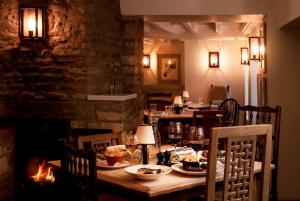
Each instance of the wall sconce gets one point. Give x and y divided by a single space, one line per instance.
32 22
146 61
213 59
254 44
244 56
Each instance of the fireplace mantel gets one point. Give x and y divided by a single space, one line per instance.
111 97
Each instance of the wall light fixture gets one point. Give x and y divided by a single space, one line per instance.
214 59
32 22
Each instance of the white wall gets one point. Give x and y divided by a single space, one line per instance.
289 10
283 85
199 77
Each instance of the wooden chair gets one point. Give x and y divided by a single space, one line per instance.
99 142
230 105
218 93
160 98
208 119
240 149
80 175
248 115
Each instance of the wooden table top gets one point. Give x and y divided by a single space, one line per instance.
169 183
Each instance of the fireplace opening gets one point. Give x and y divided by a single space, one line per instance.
37 140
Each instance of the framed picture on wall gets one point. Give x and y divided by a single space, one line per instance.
169 68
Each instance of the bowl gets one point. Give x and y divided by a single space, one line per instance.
111 160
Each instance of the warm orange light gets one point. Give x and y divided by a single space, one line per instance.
213 59
244 56
44 174
254 44
146 61
31 23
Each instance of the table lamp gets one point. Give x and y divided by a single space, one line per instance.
177 104
185 96
145 136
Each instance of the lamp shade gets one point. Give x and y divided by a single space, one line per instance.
177 100
145 134
185 94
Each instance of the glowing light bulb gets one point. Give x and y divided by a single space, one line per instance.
31 25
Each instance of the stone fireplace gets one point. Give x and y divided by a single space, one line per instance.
53 78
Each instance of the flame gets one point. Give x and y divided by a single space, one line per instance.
44 174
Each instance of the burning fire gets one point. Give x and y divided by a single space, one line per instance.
44 174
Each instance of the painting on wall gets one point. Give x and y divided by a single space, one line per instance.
169 68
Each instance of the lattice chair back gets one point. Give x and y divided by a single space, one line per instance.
239 163
248 115
80 174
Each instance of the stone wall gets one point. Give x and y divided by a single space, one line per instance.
52 78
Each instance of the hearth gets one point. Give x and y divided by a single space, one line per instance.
37 140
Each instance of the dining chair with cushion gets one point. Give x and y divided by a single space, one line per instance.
230 105
161 99
251 115
99 142
79 173
238 180
218 93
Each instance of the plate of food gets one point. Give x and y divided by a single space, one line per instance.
104 165
148 172
191 166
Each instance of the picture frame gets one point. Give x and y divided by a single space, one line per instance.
169 68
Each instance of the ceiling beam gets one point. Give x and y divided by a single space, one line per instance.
204 18
188 27
159 26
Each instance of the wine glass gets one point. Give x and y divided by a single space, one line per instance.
175 133
131 143
196 139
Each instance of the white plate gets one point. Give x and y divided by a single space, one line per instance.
103 164
178 168
133 171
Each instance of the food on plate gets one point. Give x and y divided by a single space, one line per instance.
174 158
115 154
204 154
149 171
190 163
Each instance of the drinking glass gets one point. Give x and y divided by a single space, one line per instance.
196 139
175 133
131 143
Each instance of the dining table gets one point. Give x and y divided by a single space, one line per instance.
172 186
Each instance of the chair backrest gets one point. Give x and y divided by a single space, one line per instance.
80 173
250 115
218 93
208 119
160 98
239 163
99 142
230 105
